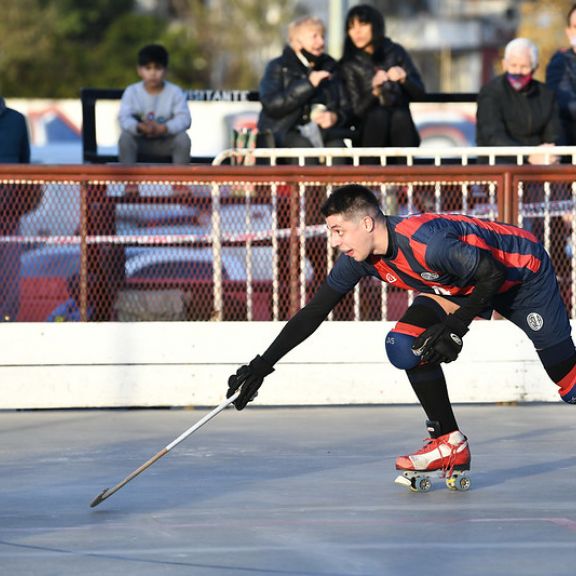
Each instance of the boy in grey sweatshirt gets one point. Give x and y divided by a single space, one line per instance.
154 113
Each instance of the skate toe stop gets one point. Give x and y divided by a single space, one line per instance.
403 481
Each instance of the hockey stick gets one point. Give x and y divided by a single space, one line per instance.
109 491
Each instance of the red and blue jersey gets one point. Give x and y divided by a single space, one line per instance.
432 253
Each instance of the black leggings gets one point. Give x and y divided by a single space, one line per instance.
388 127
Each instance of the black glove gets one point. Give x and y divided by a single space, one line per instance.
442 342
249 378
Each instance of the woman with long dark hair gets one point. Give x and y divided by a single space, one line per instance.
381 80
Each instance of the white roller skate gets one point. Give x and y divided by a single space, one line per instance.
446 457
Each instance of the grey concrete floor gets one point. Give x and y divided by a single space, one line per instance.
287 492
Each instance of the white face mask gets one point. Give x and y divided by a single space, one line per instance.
573 41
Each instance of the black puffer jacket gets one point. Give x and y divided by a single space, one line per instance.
359 69
287 96
506 117
561 78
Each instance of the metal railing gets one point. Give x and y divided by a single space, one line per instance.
489 155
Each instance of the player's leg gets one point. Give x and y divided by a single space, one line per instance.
559 361
448 447
538 309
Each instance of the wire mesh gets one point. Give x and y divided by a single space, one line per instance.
546 209
245 249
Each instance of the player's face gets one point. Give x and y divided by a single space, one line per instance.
152 75
352 237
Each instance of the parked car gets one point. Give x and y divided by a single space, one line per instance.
45 278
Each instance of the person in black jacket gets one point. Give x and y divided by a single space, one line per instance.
514 109
561 78
15 201
304 103
381 80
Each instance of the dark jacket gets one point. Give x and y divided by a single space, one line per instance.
286 96
359 69
506 117
14 142
561 78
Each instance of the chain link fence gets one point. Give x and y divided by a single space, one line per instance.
225 244
548 209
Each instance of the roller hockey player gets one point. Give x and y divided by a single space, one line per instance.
462 267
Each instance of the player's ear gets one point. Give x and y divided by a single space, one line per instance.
368 223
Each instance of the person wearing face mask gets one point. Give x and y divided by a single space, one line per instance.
561 78
381 80
514 109
304 104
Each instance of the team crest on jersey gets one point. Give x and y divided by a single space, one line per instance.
430 275
535 321
390 278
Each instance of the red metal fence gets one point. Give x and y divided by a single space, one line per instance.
114 243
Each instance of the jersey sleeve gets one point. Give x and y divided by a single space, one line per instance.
446 253
345 274
470 266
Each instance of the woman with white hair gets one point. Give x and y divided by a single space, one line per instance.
514 109
304 103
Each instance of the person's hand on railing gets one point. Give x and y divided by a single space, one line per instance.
545 158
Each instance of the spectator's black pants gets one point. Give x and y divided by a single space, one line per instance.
388 127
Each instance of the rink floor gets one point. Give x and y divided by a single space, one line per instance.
287 492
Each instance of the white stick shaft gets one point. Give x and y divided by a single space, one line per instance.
202 421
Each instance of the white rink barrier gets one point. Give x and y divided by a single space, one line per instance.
187 364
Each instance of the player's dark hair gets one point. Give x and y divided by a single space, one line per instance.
153 54
570 12
350 200
367 15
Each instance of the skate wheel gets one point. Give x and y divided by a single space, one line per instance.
421 485
460 482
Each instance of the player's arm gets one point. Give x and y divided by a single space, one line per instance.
488 277
249 378
442 342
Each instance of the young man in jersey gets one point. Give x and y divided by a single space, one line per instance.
462 267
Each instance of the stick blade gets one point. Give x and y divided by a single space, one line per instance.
100 498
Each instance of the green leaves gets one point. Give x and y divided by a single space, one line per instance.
53 48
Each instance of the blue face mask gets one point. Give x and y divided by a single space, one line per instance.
518 81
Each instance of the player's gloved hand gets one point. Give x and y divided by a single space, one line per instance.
442 342
248 378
